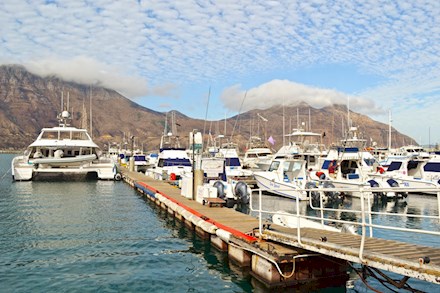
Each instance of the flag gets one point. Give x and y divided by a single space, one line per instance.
271 140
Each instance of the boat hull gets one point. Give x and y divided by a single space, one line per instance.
284 189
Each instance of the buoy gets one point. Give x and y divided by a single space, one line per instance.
173 176
118 176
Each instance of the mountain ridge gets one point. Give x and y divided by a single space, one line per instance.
29 102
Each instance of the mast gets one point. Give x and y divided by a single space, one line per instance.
310 121
389 129
284 131
348 113
91 126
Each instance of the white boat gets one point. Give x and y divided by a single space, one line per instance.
257 155
285 177
292 221
172 161
431 170
409 172
62 152
354 166
304 145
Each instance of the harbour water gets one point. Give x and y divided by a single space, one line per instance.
102 236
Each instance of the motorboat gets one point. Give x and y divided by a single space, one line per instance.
288 220
172 161
285 177
304 145
257 156
349 168
431 170
409 172
63 152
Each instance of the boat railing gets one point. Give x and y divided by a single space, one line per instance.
365 212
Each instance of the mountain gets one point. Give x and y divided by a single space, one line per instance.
29 102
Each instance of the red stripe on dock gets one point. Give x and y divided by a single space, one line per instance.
234 232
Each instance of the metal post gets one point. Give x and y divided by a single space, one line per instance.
370 221
321 204
361 249
260 214
438 203
193 167
298 229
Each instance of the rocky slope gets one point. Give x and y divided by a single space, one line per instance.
29 102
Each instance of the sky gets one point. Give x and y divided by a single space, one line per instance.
215 59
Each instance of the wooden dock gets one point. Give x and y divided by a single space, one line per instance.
276 256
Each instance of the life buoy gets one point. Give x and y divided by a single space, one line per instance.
173 176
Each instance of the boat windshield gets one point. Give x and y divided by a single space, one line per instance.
274 166
370 162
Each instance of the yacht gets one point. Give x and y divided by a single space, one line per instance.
63 152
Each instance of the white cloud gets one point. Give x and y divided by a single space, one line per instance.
88 71
279 92
185 42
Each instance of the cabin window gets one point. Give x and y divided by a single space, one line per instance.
160 163
370 162
252 155
274 166
175 162
394 166
286 166
432 167
233 162
49 135
64 135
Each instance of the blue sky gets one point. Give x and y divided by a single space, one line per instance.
166 55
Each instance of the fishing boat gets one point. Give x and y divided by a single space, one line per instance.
63 152
304 145
410 172
172 161
257 156
285 177
350 167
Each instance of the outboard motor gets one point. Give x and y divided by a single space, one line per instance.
241 192
313 194
332 196
220 189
